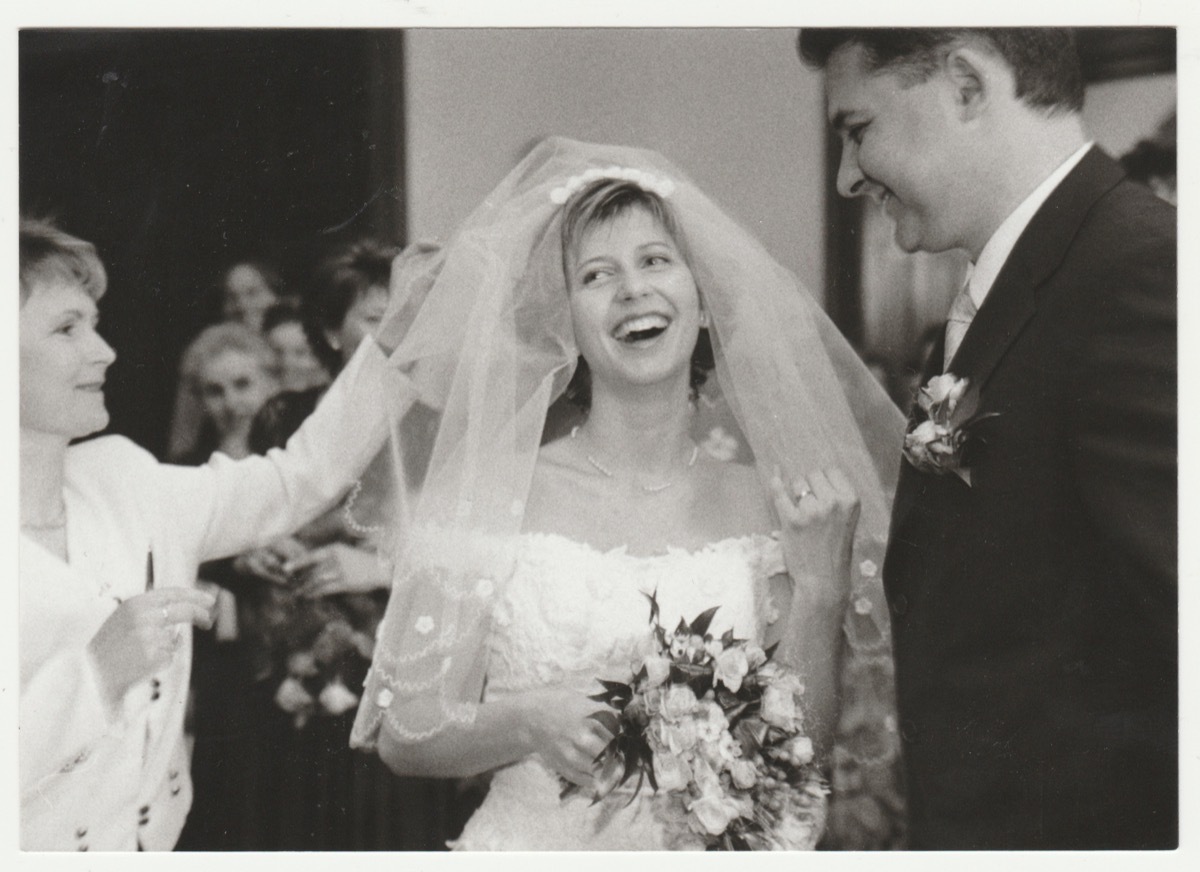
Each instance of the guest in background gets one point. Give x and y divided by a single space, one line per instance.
1153 162
109 547
273 766
248 289
297 365
229 371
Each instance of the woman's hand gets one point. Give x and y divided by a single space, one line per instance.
142 635
338 568
819 514
268 562
559 729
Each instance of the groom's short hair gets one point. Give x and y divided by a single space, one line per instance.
1044 60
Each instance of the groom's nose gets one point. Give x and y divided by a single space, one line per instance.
850 179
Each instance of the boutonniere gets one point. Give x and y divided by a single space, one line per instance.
940 433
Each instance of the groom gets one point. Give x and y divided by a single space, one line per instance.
1034 609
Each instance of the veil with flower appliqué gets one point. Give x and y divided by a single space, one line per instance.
488 351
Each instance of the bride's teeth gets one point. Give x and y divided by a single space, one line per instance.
643 322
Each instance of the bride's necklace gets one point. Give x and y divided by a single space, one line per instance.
647 488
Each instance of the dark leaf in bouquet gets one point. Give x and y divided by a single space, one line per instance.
608 720
654 612
682 628
734 713
612 749
770 652
727 638
696 676
701 623
642 674
615 693
751 733
616 686
726 698
646 756
661 635
569 789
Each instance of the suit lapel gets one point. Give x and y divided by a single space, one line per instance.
1012 301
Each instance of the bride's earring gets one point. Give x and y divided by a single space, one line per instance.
704 318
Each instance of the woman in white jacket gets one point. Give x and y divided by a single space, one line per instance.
110 541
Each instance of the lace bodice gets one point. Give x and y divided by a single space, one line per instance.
572 613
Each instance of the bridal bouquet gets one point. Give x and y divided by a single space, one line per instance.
717 726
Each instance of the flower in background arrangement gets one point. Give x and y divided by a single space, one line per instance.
316 649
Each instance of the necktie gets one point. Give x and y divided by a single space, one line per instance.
962 310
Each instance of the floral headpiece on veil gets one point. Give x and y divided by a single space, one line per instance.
491 347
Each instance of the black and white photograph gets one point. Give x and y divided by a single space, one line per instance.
629 429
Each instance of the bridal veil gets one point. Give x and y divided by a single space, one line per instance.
484 347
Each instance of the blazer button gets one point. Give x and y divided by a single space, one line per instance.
900 604
81 832
82 848
173 774
908 731
175 791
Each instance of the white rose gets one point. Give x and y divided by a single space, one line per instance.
302 664
336 698
745 774
711 721
793 833
731 667
801 749
291 696
708 782
681 736
941 388
779 707
713 814
755 656
678 701
658 670
671 772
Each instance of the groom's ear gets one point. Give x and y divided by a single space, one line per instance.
973 76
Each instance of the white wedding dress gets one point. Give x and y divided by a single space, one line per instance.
572 613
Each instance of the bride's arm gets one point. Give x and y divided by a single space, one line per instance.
817 535
551 722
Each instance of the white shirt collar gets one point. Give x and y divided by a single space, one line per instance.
983 273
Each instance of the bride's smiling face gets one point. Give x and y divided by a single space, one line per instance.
635 307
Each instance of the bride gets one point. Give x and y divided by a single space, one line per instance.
601 276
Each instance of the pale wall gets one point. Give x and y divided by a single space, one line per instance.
734 108
1122 112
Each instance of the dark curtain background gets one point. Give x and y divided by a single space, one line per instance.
179 151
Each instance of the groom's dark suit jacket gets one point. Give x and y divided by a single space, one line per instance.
1034 611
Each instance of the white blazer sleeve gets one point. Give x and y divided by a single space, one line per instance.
228 506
